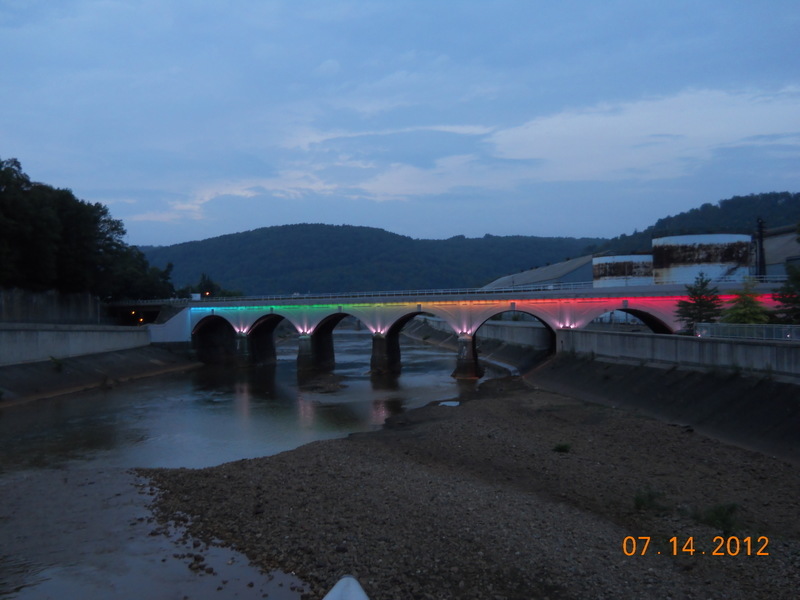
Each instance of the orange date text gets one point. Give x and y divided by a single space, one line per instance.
718 546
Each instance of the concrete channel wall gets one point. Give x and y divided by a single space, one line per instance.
21 306
778 359
27 343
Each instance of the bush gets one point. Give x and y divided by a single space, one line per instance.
648 499
719 516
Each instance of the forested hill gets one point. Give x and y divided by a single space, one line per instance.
51 240
342 258
734 215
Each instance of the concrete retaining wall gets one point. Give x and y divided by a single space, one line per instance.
26 343
779 359
21 306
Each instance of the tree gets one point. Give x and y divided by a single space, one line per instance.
703 305
50 240
746 307
788 297
131 277
207 287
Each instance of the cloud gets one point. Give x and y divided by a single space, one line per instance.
450 173
652 138
643 140
304 138
327 68
639 140
192 207
157 217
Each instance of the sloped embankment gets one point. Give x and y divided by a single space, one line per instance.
752 412
30 381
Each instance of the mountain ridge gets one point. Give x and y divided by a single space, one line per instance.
304 257
289 258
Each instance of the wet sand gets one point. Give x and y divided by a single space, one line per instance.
521 493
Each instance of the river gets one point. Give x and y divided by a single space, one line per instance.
74 520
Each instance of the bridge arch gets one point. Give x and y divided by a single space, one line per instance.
214 340
655 324
547 339
655 317
522 329
386 355
261 338
316 349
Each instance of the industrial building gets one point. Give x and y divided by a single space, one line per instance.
673 259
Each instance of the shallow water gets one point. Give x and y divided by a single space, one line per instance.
74 520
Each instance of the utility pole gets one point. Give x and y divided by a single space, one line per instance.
761 260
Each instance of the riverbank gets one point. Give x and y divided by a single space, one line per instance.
32 381
752 412
521 493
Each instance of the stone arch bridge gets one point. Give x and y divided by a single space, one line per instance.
221 329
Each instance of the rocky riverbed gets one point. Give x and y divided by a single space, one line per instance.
522 493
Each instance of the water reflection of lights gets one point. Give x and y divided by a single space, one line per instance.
241 398
306 412
380 412
377 413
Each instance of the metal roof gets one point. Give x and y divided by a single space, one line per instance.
538 275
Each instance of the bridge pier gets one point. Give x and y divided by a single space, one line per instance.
242 349
261 347
305 353
385 358
467 366
315 352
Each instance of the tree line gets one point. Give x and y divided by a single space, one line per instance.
51 240
704 305
732 215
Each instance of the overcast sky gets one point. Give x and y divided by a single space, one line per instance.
195 118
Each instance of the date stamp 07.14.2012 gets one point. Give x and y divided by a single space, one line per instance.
718 546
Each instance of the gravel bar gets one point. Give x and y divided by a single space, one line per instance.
519 494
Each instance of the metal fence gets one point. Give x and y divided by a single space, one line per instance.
464 293
785 333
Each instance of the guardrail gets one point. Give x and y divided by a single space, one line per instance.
460 292
383 294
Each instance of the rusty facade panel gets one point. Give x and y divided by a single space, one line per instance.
622 269
730 253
